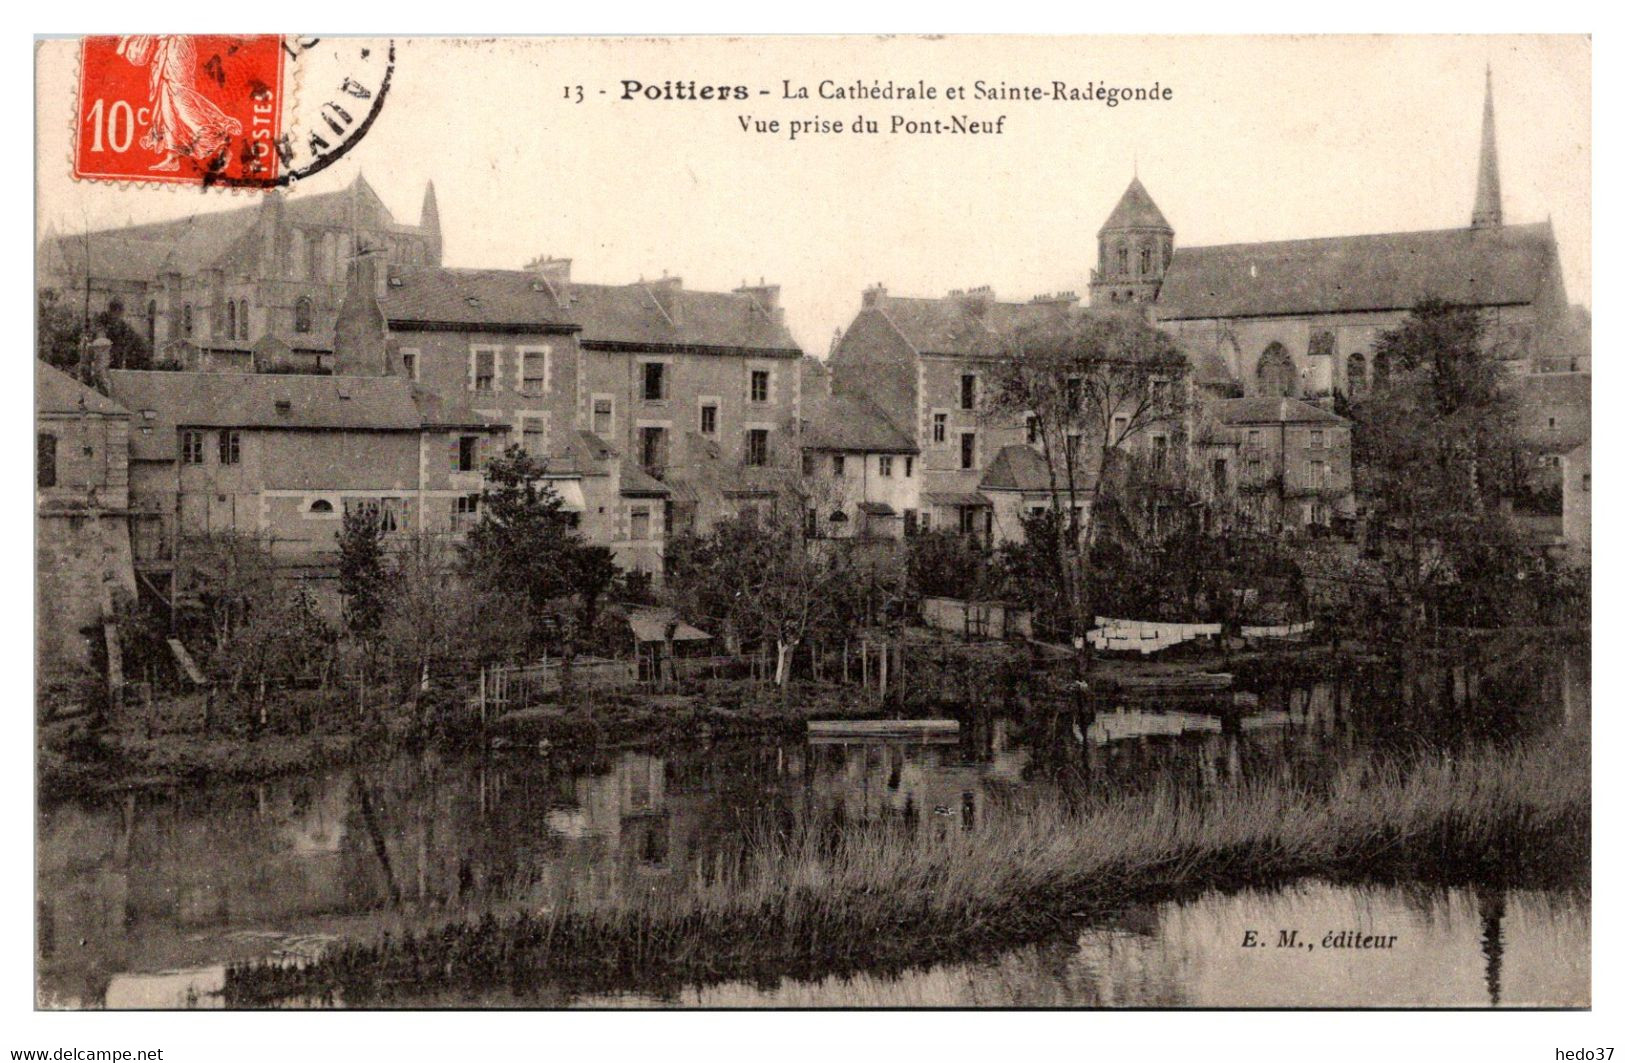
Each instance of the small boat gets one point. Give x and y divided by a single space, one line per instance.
882 728
1176 681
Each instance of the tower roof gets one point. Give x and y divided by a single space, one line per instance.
1136 211
1487 205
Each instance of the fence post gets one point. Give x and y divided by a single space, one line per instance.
482 704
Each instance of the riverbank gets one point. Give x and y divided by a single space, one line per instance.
884 898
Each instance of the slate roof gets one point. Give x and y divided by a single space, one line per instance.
963 326
57 392
851 423
1384 271
635 483
1016 468
437 410
1136 210
662 314
249 400
473 297
1271 410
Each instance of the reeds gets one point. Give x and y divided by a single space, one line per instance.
875 898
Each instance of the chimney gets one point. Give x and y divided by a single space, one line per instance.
975 301
1062 299
553 276
359 337
874 297
96 358
766 296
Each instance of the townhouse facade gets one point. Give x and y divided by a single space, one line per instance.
81 503
1276 463
860 475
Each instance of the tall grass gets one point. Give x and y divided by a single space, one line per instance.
818 902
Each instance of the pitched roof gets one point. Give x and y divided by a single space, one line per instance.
1269 409
635 483
437 410
57 392
1016 468
963 325
1384 271
851 423
249 400
663 314
1135 210
440 294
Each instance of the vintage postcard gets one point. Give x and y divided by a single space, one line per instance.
812 522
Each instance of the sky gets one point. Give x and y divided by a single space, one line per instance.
1263 138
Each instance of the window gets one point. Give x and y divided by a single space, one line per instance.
320 508
758 385
1356 374
908 468
186 319
1122 258
533 434
1276 373
809 464
1167 255
1253 437
939 428
1145 260
534 371
708 419
967 450
603 417
885 465
837 465
654 381
485 369
1074 448
1322 343
465 454
967 391
1317 474
230 448
45 460
1119 428
640 522
409 364
1221 475
756 446
242 319
925 520
1317 438
231 320
967 520
1159 394
152 322
1032 428
191 447
301 316
652 447
1159 452
464 511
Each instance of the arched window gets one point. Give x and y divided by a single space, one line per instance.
301 315
1122 258
231 320
1145 261
242 318
152 322
1167 254
1355 371
1276 373
1379 370
321 505
186 319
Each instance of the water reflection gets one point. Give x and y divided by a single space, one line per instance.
143 897
1191 954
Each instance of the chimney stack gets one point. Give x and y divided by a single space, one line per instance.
554 275
766 296
359 338
874 297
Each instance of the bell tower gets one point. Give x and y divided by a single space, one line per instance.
1136 246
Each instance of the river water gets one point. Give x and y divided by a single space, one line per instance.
144 898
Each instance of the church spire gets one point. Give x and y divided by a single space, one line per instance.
1487 207
429 223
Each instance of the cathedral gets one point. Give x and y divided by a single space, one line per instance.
252 288
1301 317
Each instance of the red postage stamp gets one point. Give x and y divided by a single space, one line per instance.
183 109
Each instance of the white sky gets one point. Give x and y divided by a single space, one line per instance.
1265 138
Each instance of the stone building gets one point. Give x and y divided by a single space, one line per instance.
281 458
1275 462
82 542
1577 504
244 288
1301 317
859 472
